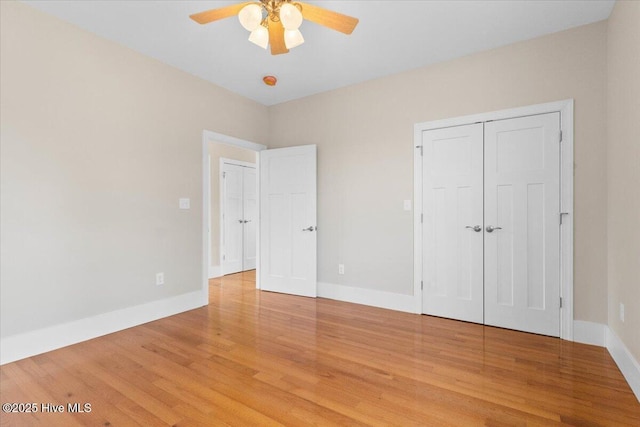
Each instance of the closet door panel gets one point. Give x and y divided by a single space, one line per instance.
452 197
522 229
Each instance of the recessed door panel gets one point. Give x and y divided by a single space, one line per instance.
504 246
279 249
520 150
535 247
464 244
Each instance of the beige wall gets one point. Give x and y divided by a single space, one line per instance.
98 143
623 173
364 135
217 151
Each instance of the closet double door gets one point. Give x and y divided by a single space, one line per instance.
239 217
491 230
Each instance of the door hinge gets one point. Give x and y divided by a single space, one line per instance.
420 147
224 257
560 302
421 218
560 136
421 285
224 175
561 215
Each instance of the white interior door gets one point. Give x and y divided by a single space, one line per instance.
250 215
232 217
453 226
522 201
239 217
288 220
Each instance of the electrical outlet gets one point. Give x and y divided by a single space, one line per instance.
159 279
621 312
184 203
340 268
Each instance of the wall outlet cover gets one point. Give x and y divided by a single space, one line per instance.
184 203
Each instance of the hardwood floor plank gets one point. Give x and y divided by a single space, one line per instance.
260 358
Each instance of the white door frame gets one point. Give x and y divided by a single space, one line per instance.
224 160
207 137
565 108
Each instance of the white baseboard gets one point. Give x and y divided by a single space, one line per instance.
29 344
215 271
590 333
627 364
391 301
601 335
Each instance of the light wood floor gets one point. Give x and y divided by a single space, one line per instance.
258 358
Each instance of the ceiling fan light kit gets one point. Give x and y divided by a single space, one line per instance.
260 36
290 16
286 13
293 38
250 16
277 22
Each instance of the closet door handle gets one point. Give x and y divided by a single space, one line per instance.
310 228
490 228
475 228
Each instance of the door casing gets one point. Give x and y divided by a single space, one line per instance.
209 136
565 108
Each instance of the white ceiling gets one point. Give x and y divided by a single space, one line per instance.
392 36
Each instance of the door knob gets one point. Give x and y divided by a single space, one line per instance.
310 228
475 228
490 228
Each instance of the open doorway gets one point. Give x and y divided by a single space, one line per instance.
217 146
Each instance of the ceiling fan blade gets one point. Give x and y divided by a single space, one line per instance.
216 14
276 38
328 18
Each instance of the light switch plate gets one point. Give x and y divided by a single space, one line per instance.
184 203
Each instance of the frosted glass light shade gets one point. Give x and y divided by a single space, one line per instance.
260 36
292 38
290 16
250 16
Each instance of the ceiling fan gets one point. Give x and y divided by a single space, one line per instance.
276 22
